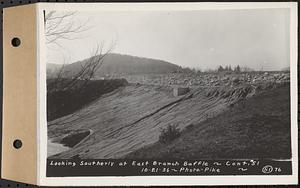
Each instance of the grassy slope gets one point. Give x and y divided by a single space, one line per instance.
258 127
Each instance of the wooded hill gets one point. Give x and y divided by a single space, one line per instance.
120 64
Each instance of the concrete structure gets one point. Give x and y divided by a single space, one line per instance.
177 91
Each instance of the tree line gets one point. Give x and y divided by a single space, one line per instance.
229 69
220 68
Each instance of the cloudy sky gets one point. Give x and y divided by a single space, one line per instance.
204 39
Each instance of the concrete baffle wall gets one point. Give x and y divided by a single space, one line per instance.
177 91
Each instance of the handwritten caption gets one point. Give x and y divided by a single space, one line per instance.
156 167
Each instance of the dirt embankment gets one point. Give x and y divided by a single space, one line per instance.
63 102
258 127
132 117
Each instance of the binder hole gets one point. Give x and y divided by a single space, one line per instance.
17 144
16 42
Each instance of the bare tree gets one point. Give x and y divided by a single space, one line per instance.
77 83
80 78
64 26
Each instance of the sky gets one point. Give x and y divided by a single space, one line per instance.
202 39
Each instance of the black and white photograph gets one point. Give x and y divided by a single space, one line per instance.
172 92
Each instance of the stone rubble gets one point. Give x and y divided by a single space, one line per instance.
206 79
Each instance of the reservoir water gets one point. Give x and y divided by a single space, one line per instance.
55 148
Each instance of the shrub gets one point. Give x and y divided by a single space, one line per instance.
169 134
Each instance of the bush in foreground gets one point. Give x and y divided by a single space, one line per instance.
169 134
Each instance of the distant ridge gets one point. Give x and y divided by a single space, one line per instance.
52 69
123 64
